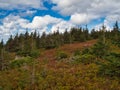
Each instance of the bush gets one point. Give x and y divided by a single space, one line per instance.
100 49
9 56
77 52
85 59
33 53
20 62
111 67
61 55
23 53
86 51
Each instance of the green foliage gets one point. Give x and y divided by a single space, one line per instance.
58 76
22 53
9 56
85 59
112 66
61 55
85 74
20 62
35 54
86 51
100 49
77 52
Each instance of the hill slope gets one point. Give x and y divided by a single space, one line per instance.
69 48
49 72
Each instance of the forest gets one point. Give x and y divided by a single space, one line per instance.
79 59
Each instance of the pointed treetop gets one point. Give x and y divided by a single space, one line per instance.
116 27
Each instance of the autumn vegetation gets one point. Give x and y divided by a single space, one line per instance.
78 59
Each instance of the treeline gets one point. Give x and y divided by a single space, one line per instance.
30 44
25 43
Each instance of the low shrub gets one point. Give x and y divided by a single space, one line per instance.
33 53
86 51
61 55
85 59
20 62
111 67
77 52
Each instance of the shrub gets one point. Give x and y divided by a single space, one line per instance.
111 67
77 52
86 51
23 53
9 56
100 49
34 54
20 62
61 55
85 59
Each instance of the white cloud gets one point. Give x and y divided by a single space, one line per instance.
79 18
82 18
49 24
106 24
25 13
112 18
91 9
15 24
11 25
21 4
29 12
62 26
69 7
41 22
109 21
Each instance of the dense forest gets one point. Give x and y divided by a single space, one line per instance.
95 65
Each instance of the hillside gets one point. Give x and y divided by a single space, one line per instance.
59 45
68 48
57 69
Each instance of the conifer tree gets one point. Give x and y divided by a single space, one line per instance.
2 61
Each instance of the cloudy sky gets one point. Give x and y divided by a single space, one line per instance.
17 16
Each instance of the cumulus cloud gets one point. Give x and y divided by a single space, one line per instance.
15 24
106 23
69 7
49 24
91 9
99 26
25 13
109 22
12 23
79 18
62 26
41 22
21 4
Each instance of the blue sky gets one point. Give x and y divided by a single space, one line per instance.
47 15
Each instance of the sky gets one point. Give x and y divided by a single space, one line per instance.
17 16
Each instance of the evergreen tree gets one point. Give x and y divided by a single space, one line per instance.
101 48
66 37
116 27
10 44
116 34
1 55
